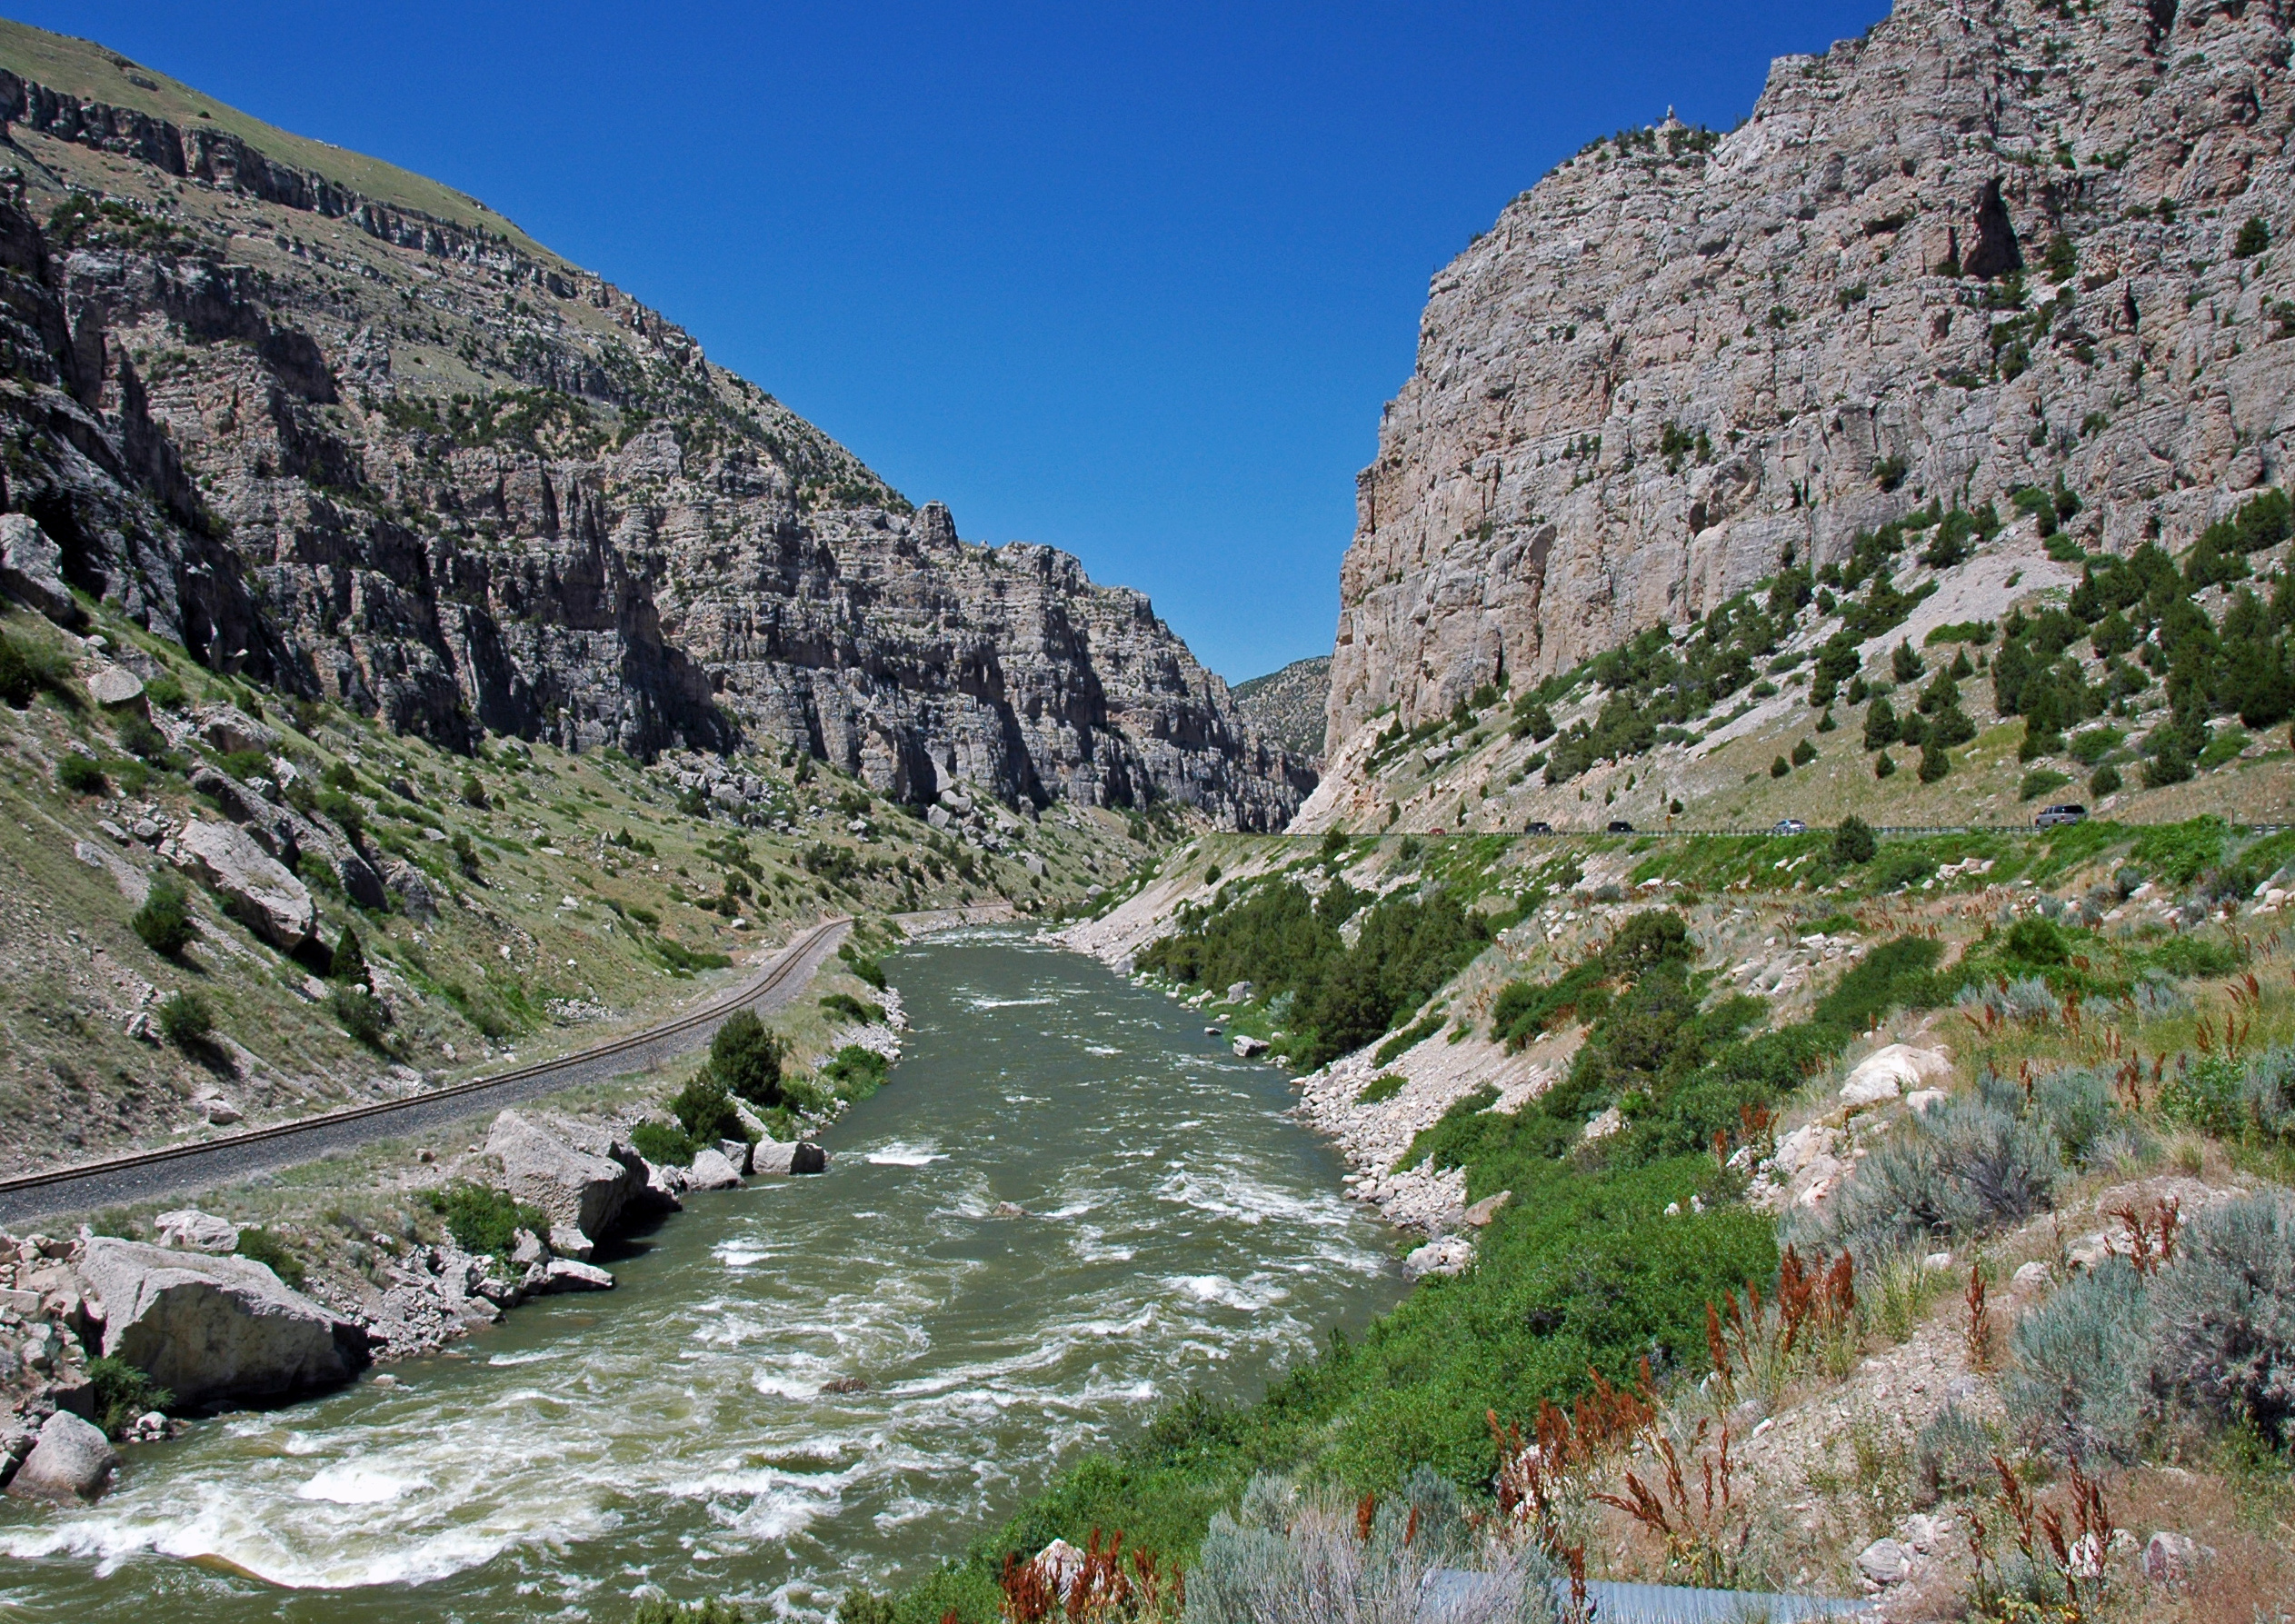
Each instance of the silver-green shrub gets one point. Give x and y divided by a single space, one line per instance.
1962 1167
2223 1316
1289 1557
2077 1385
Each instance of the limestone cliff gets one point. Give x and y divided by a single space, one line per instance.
350 433
1987 246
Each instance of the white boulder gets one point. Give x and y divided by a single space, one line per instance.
115 687
1886 1073
71 1460
256 886
31 569
571 1274
576 1189
209 1327
188 1228
713 1171
1446 1256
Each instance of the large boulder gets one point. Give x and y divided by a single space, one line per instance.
258 887
577 1188
713 1169
31 569
788 1157
72 1460
215 1327
188 1228
230 729
1885 1074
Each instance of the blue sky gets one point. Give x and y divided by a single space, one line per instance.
1130 281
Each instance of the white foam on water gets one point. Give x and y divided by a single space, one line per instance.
1101 1049
898 1154
531 1356
354 1486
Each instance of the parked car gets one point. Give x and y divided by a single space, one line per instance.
1790 826
2069 812
1620 826
1538 826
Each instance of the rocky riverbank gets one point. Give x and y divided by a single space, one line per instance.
214 1313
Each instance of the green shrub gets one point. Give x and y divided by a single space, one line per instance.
362 1014
122 1394
2179 854
2037 942
705 1110
1382 1088
141 739
1854 841
2104 781
80 776
745 1061
869 969
844 1006
262 1246
865 1607
18 682
2040 782
165 691
855 1071
482 1220
663 1145
2254 237
1410 1037
1778 767
163 922
1898 974
186 1020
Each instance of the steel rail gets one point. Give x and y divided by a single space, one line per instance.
203 1163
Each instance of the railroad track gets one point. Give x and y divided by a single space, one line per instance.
174 1170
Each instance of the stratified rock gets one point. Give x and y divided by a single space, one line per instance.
257 888
31 569
716 572
215 1327
72 1460
577 1190
1683 358
1247 1047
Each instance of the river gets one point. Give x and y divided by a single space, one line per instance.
1180 1230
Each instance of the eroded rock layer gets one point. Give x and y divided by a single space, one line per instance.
1986 246
371 453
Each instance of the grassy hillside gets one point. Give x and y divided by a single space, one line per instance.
96 73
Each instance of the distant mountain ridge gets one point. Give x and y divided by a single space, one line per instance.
1288 705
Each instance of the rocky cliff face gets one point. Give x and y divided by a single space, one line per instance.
1288 705
405 459
1985 247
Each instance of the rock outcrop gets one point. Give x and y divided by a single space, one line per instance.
1682 358
255 885
581 1190
208 1326
357 449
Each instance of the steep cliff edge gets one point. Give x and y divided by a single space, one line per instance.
1683 361
349 433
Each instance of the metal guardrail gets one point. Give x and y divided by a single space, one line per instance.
1768 830
1609 1602
33 1195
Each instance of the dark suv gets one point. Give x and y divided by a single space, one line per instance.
1620 826
2068 812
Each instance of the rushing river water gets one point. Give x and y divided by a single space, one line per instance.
1179 1230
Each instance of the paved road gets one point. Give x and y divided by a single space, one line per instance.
179 1169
